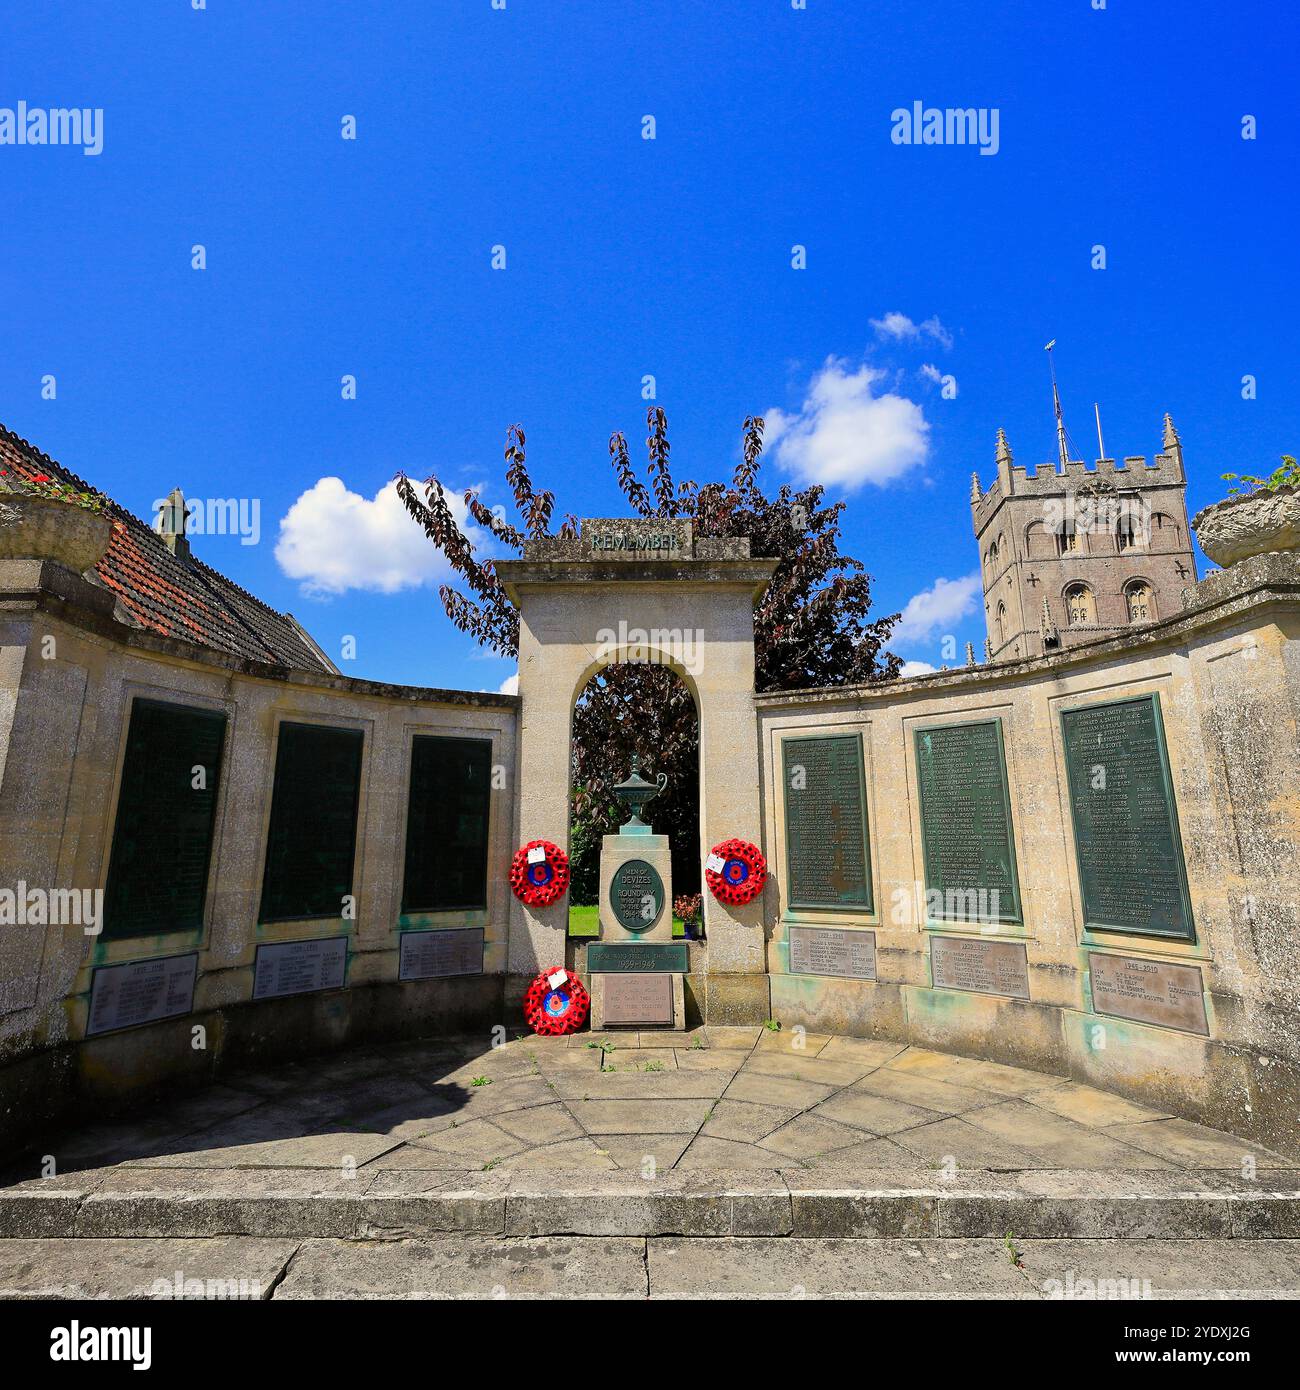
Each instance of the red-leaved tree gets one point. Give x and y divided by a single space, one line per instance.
811 626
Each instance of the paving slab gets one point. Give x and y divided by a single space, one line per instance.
745 1120
1161 1269
220 1267
469 1267
1062 1142
640 1116
857 1268
1195 1146
803 1066
644 1152
685 1084
776 1090
878 1115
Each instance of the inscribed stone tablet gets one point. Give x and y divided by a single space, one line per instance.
644 1000
1149 991
1131 872
827 853
832 951
454 951
300 967
970 859
980 965
141 991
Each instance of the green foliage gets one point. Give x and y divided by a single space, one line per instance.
1288 475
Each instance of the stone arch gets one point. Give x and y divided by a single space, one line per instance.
627 588
1140 600
1080 604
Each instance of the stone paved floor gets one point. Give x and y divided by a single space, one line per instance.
719 1099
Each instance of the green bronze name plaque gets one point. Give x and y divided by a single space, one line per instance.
1131 872
827 849
966 835
636 895
636 958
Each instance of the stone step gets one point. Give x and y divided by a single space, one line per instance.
669 1267
302 1203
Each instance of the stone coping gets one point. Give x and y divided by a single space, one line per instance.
789 1202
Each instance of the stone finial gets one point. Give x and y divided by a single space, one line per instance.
988 649
170 524
970 654
1046 626
975 493
1171 440
1003 454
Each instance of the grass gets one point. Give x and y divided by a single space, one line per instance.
585 921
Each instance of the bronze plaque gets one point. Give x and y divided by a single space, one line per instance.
636 895
638 1001
1131 871
970 858
1149 991
827 854
980 965
425 955
832 951
141 991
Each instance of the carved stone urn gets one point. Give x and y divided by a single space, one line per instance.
1263 522
44 528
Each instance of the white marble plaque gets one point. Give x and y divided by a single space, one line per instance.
832 951
452 951
300 967
980 964
141 991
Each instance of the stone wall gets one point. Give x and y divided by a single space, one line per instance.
1227 672
68 673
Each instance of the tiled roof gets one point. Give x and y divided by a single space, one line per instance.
181 598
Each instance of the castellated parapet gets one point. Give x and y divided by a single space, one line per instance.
1069 554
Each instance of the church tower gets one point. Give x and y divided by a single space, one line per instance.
1070 554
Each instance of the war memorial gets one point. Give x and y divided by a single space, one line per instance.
289 1003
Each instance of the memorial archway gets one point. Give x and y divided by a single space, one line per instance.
636 590
646 709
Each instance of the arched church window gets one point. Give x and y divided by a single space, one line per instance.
1141 608
1079 606
1000 624
1067 539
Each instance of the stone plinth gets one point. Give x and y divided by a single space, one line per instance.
636 879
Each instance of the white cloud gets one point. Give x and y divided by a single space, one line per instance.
930 372
333 540
844 435
914 668
900 327
509 686
939 607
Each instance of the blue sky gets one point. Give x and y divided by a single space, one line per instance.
523 127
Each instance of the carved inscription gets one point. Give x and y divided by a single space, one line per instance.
1148 991
453 951
980 965
832 951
